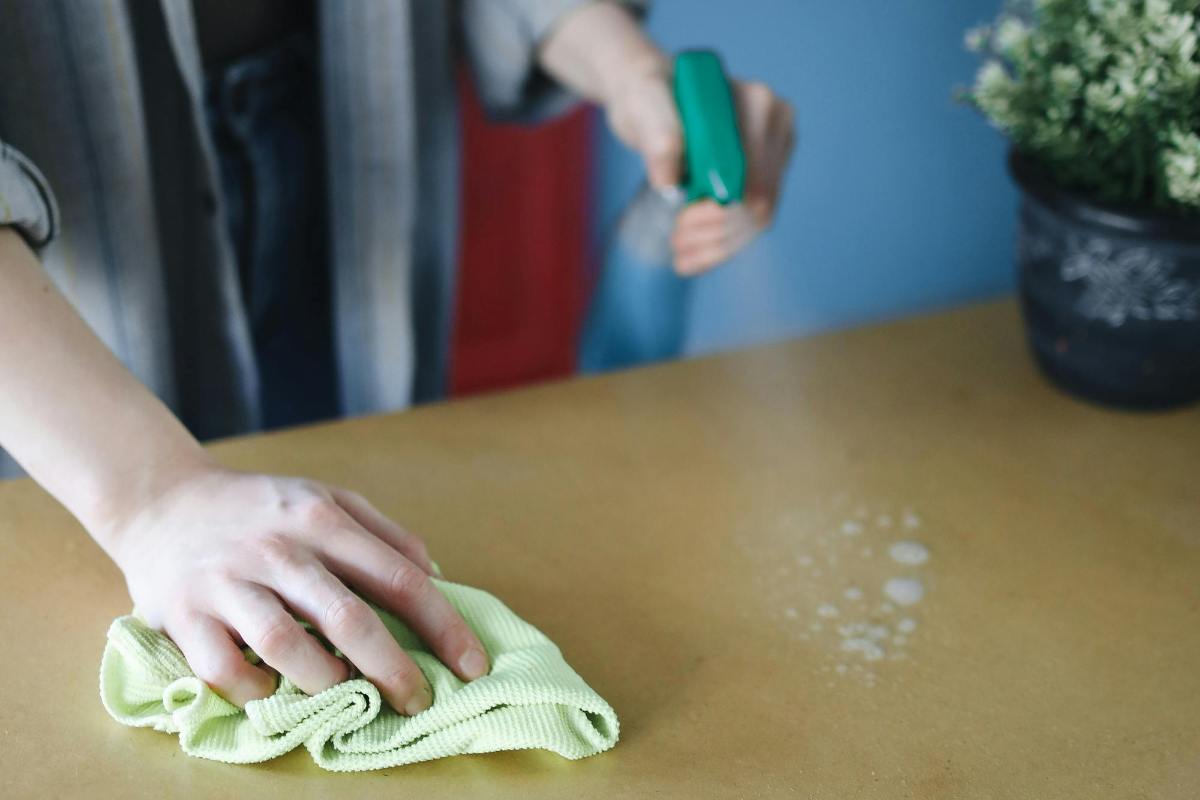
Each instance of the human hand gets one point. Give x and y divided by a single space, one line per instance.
642 113
224 558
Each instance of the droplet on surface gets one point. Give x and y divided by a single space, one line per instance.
904 591
827 610
869 650
910 553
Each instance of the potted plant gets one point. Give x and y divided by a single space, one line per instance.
1101 102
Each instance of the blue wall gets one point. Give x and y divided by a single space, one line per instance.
897 200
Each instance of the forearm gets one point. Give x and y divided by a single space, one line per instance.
597 48
70 413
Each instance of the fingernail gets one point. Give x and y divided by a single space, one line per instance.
473 664
420 701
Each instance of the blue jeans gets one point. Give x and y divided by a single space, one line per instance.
263 113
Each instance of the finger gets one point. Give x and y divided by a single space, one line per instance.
374 521
784 127
699 249
761 205
220 663
687 239
660 137
663 153
690 236
263 623
701 259
753 100
704 226
779 140
354 628
402 588
743 227
762 194
769 125
702 212
758 103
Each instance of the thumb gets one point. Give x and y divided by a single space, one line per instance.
662 151
645 118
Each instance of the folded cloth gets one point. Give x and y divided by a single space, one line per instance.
531 699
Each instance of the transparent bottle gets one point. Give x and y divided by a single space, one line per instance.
639 310
640 305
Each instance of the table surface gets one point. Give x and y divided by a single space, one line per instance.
677 531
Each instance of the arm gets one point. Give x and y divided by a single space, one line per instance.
211 556
59 381
601 52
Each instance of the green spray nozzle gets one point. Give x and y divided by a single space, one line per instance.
714 164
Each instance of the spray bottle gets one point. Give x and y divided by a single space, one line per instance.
639 308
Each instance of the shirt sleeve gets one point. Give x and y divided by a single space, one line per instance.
26 202
501 38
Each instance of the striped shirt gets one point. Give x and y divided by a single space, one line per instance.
105 97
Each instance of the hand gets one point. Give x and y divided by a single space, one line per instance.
643 115
212 557
224 558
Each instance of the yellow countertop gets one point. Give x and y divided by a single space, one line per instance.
685 533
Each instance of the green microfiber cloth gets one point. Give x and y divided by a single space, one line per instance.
531 699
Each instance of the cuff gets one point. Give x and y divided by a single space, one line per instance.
502 38
26 202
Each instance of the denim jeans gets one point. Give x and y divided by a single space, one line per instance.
263 113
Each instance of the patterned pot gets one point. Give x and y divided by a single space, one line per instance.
1111 296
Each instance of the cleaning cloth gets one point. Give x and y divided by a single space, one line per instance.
531 699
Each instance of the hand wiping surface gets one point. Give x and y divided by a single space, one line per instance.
531 699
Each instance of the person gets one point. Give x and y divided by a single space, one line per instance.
252 225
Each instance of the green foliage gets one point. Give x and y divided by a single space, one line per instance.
1103 94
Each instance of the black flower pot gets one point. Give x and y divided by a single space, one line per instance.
1111 296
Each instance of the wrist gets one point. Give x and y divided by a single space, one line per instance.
599 49
626 71
111 511
72 415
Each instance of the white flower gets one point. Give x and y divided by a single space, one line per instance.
1174 35
1103 97
1149 78
1181 166
977 38
1091 44
1156 9
1066 79
993 92
1082 84
1011 34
